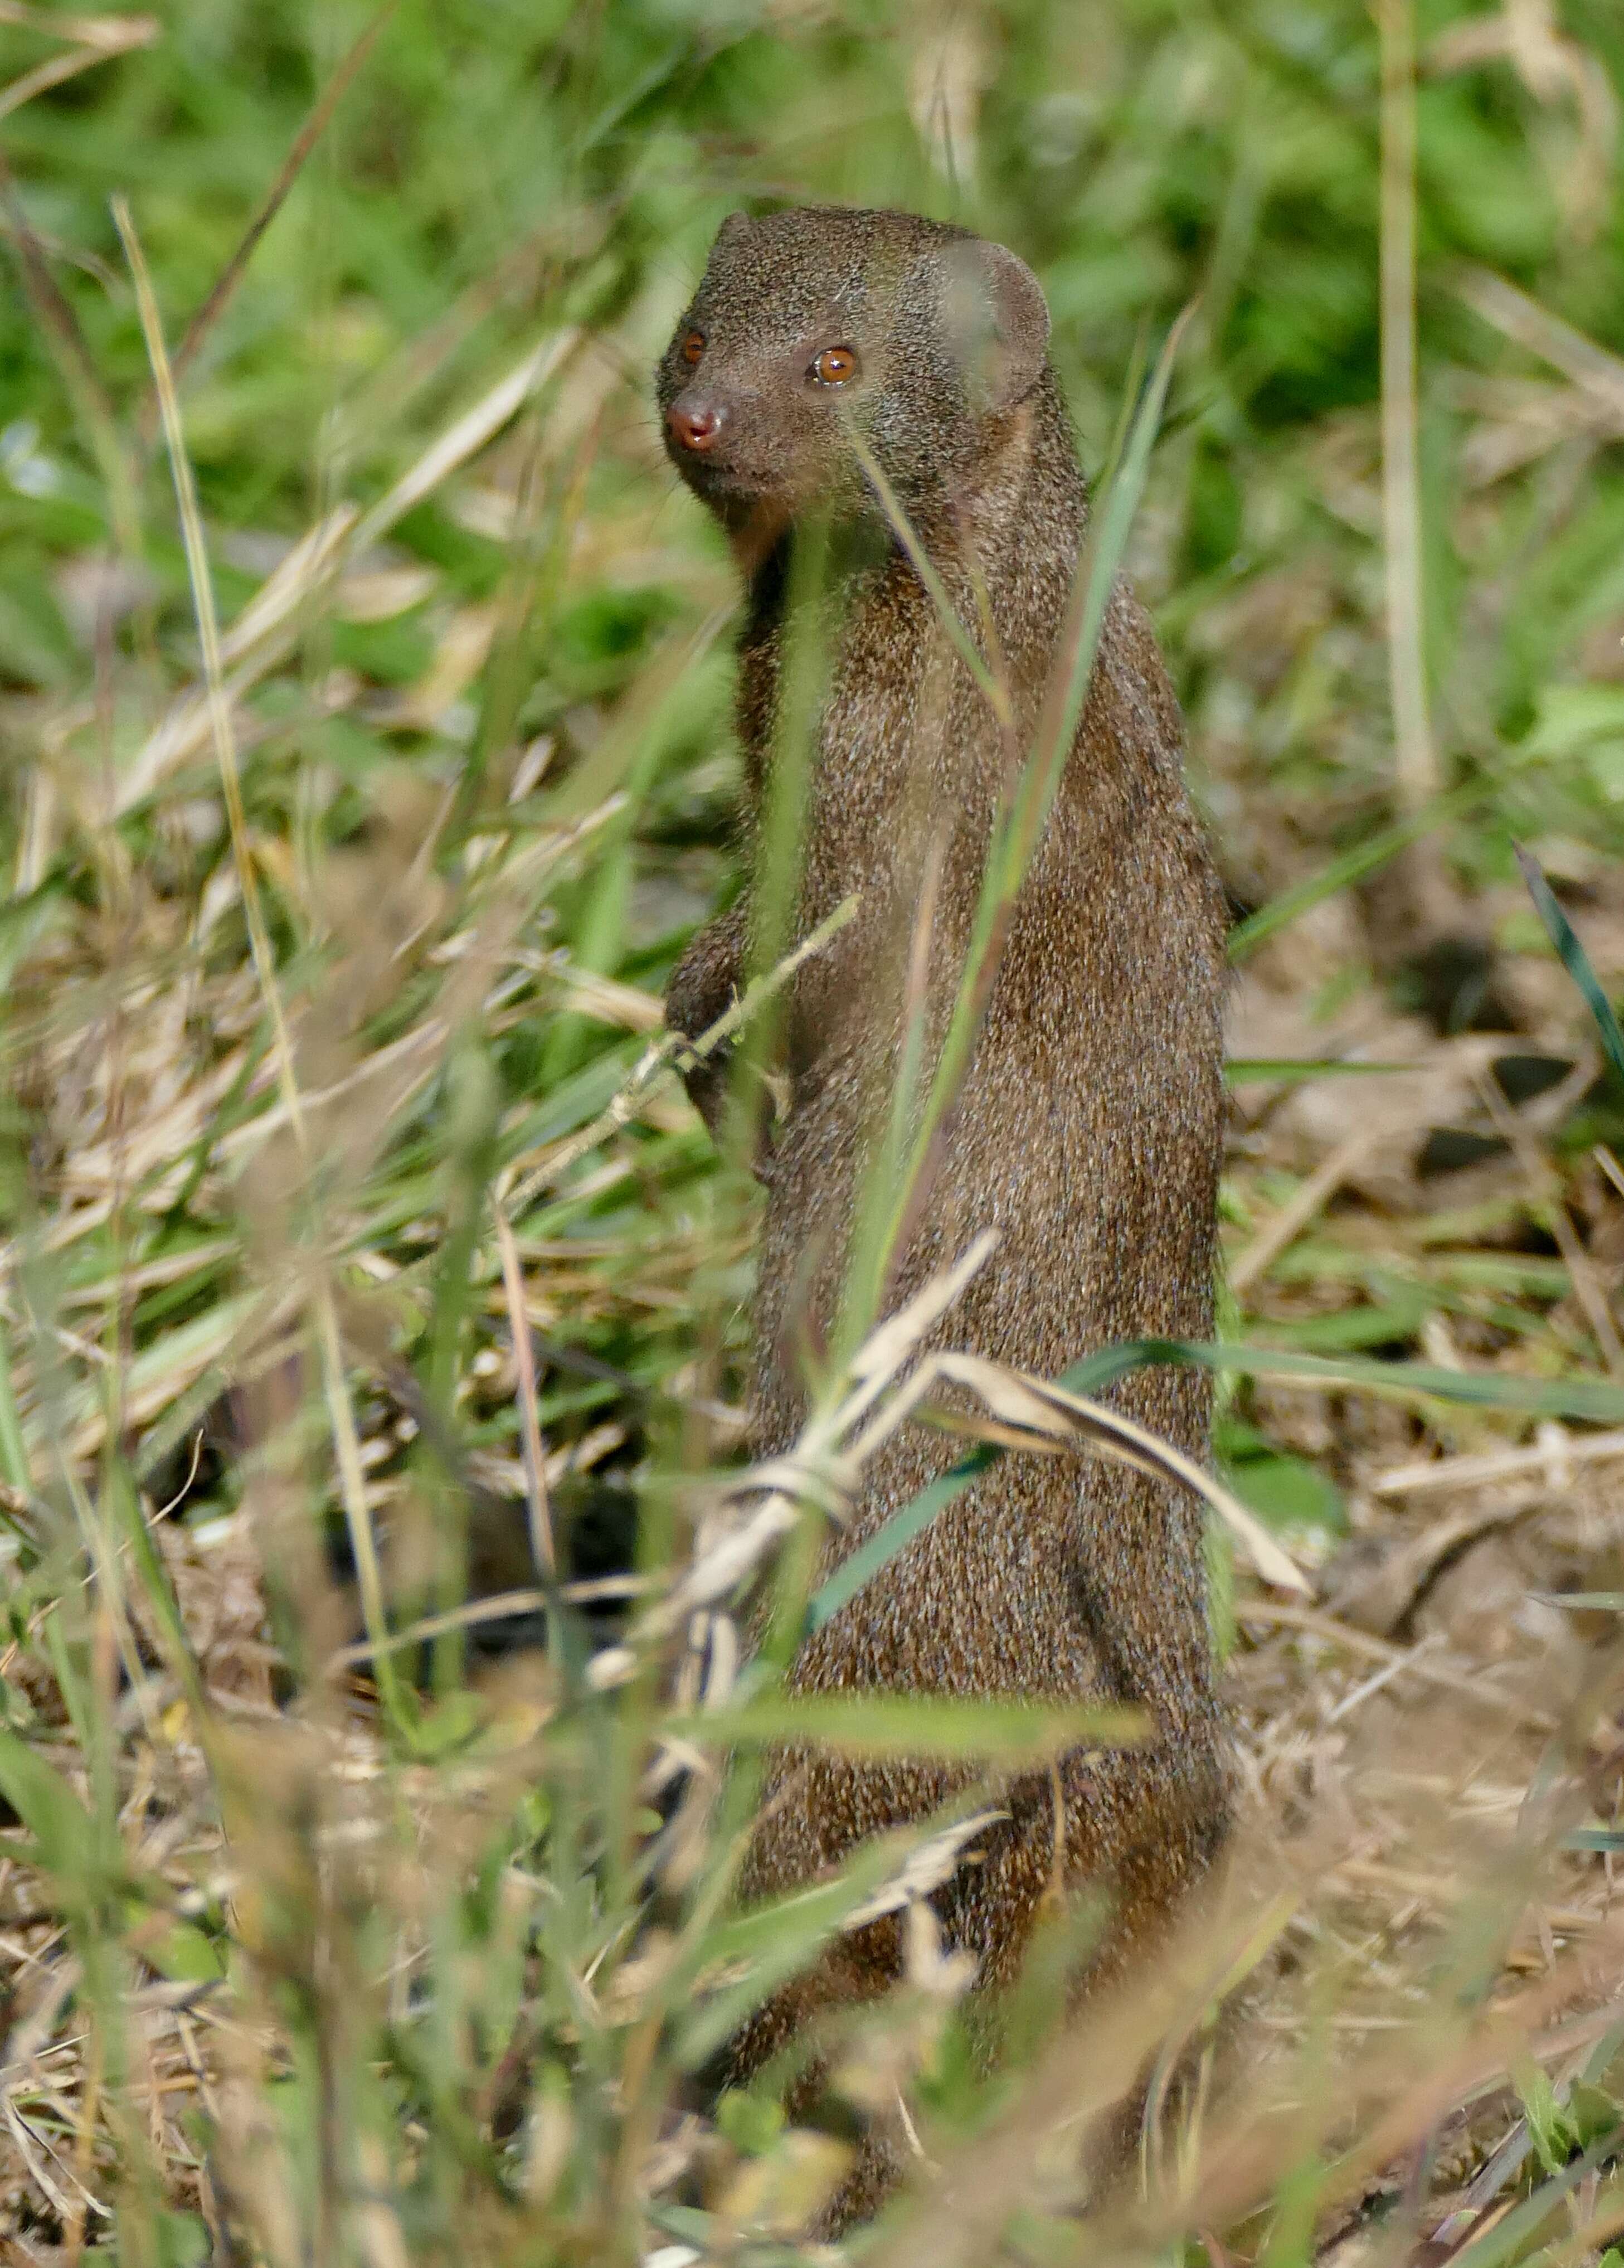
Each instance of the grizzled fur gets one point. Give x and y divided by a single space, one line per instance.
1088 1129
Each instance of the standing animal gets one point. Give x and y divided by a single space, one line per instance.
1088 1128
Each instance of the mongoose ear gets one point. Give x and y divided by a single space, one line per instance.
998 320
731 228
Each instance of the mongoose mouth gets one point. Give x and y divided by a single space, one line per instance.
718 481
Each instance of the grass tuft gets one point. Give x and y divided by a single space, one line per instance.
379 1744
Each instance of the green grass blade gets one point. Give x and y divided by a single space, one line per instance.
1588 1399
1352 866
885 1725
1591 1399
1296 1071
911 1519
14 1464
63 1830
897 1533
1574 960
964 645
1105 546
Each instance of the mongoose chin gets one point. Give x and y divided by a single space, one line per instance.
1088 1126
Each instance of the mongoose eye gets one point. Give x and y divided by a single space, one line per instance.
693 346
836 366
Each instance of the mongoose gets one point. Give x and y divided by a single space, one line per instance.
1088 1129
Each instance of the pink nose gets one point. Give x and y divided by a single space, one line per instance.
694 425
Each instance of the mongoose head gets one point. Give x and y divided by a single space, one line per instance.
809 323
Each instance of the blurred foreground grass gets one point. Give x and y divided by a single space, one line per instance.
314 1952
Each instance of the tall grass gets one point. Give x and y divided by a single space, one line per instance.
363 688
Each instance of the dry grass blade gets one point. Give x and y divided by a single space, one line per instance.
731 1549
114 32
934 1861
255 641
410 1060
498 1608
1035 1413
268 624
1609 1166
52 309
889 1347
607 764
1281 1614
736 1556
1301 1208
113 35
1521 318
60 327
542 1545
1543 1179
468 435
304 571
225 284
209 634
346 1444
1552 65
993 690
37 2155
1087 2068
1549 1458
1415 757
661 1065
1107 1433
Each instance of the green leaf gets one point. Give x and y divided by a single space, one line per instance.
1543 2113
1033 790
16 1710
1576 720
185 1955
182 2240
62 1829
14 1461
751 2123
685 2221
1504 2241
1591 2114
24 919
1388 1322
1287 1491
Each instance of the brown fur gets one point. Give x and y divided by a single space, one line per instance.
1088 1126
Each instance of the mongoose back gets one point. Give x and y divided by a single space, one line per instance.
1088 1128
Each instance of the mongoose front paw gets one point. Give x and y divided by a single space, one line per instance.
706 1078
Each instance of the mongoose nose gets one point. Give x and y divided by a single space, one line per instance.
694 425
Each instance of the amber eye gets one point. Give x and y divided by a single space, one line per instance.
835 366
692 348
